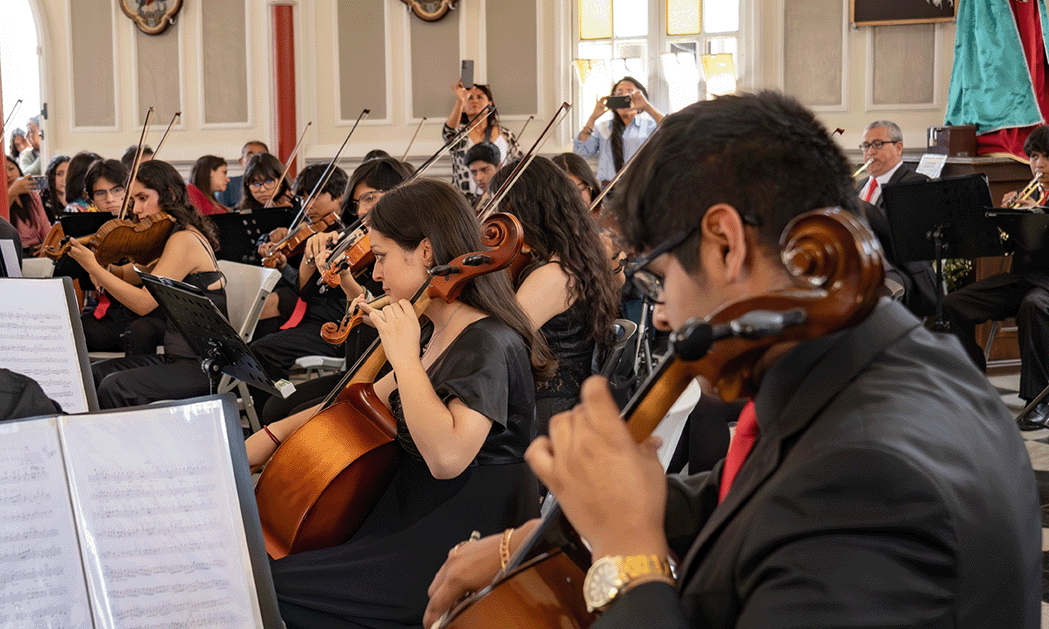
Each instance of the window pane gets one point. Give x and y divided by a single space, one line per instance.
683 17
721 16
682 75
595 19
631 18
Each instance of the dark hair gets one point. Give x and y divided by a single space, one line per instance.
51 174
78 167
618 126
265 148
128 158
493 118
200 176
110 169
22 211
261 166
483 152
557 225
704 155
1037 141
17 133
382 174
311 176
577 166
453 230
375 154
174 198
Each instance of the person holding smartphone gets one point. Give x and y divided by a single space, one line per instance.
468 103
615 140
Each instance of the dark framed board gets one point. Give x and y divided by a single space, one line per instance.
881 12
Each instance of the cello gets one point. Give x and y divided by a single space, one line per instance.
836 266
323 480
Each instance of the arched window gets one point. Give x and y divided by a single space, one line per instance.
19 65
663 43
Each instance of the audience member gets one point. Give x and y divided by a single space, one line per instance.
207 179
230 197
615 140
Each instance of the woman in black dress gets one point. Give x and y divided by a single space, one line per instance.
465 407
567 289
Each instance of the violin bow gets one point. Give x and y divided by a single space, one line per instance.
287 167
481 115
18 103
417 130
323 181
134 165
523 127
601 195
518 170
166 132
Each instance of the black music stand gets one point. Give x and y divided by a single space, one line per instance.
930 220
239 231
219 346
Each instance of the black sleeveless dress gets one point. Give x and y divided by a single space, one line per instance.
568 336
379 578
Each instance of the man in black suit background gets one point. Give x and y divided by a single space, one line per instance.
885 484
883 146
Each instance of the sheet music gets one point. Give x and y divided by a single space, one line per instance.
163 540
9 259
41 578
36 339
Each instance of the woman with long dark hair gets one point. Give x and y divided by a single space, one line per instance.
78 197
188 256
259 185
26 209
469 103
567 288
208 177
464 402
53 195
616 140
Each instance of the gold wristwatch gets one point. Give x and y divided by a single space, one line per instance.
607 576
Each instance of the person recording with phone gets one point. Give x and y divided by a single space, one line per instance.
615 140
469 101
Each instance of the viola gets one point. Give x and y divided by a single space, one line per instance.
324 479
836 265
354 252
294 243
140 241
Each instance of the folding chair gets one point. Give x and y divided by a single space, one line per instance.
246 289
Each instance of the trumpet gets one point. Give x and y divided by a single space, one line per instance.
859 170
1025 194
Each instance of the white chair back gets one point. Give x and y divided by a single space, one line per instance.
247 287
37 267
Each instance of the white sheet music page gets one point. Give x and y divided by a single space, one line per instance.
162 537
36 339
41 578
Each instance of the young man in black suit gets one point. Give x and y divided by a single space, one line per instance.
887 486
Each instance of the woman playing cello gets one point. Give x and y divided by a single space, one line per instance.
464 420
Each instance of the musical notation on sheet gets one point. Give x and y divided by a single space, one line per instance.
36 340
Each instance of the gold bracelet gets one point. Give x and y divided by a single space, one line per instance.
504 547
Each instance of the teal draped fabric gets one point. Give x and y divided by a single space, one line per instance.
990 83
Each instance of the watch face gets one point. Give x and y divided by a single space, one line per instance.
601 584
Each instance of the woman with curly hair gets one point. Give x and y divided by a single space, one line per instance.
188 256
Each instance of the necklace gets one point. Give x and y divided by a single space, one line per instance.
436 333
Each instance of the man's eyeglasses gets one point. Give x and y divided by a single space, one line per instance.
650 284
876 145
259 185
116 191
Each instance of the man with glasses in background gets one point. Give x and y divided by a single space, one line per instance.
883 147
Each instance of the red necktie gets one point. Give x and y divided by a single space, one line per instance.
870 190
746 434
296 315
102 306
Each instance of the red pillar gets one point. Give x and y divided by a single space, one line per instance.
284 82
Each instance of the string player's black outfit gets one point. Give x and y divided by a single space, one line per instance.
378 579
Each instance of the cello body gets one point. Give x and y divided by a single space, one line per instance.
324 479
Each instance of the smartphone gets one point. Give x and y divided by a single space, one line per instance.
617 102
38 182
466 73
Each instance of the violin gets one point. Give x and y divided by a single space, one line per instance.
324 479
836 264
140 241
293 243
